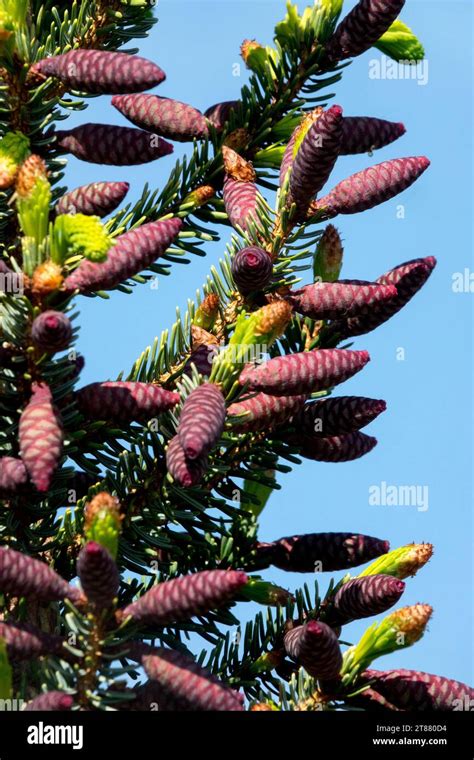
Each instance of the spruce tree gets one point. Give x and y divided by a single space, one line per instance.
130 507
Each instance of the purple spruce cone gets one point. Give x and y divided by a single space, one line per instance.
50 701
21 575
363 134
338 415
363 597
201 420
331 300
124 401
362 27
108 144
98 574
163 116
96 199
315 647
41 437
414 690
252 269
186 472
51 331
264 412
13 475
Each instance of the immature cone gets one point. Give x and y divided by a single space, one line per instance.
163 116
240 191
327 263
371 186
107 144
201 420
264 412
252 269
98 574
418 691
41 437
219 113
189 684
362 27
13 475
337 415
408 278
186 472
51 331
96 199
315 158
337 448
21 575
363 597
316 648
134 251
25 642
100 71
50 701
333 300
303 372
202 358
183 598
207 312
363 134
321 551
31 170
124 401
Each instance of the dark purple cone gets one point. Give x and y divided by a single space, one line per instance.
326 551
186 597
96 199
362 27
101 72
150 697
163 116
186 472
21 575
363 134
134 251
303 372
333 300
316 648
408 278
108 144
338 415
417 691
315 158
219 113
252 269
13 475
98 574
41 436
190 684
363 597
371 186
51 331
202 358
264 412
201 420
337 448
50 701
25 642
240 200
124 401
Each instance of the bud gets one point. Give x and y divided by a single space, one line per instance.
337 415
252 269
100 71
47 277
315 647
186 597
363 597
371 186
321 552
264 592
96 199
163 116
102 522
361 28
200 196
124 401
14 148
266 662
98 575
51 331
327 263
41 437
186 472
21 575
201 420
402 562
418 691
108 144
191 685
304 372
207 312
134 251
50 701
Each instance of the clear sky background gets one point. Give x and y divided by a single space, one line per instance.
425 436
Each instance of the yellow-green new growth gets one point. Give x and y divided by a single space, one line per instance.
402 562
5 672
14 148
401 44
80 234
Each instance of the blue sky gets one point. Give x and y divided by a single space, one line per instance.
425 435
